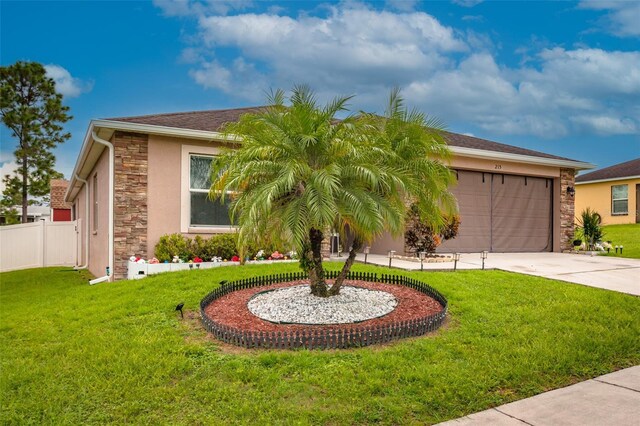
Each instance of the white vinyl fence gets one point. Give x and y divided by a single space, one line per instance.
34 245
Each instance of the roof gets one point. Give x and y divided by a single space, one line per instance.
627 169
213 120
58 190
464 141
209 121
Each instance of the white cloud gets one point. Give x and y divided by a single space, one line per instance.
571 91
476 18
402 5
467 3
353 49
6 168
622 18
606 125
66 84
190 7
350 50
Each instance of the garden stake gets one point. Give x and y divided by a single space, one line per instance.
179 308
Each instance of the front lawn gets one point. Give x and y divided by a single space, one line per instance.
75 354
627 236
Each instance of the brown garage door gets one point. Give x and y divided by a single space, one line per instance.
502 213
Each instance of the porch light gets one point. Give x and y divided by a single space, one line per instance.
422 255
484 255
391 254
571 191
367 249
456 257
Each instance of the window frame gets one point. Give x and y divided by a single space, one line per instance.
185 189
613 212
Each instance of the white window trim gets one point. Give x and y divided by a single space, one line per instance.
625 213
185 192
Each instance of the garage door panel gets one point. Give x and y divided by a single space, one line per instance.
473 193
521 214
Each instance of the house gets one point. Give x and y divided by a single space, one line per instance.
34 214
60 210
613 192
137 178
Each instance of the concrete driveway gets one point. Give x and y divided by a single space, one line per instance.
611 273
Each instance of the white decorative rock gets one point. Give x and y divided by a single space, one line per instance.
296 305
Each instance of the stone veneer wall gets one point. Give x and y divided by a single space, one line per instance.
567 209
130 199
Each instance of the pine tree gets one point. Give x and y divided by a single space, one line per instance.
32 109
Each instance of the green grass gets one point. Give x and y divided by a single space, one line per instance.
627 236
119 353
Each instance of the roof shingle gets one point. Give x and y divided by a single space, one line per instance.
213 120
617 171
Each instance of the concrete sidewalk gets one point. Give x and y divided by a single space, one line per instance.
611 273
612 399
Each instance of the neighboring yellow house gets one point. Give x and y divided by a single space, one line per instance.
614 192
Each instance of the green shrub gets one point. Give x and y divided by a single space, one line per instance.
221 245
173 245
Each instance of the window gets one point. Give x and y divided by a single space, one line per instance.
620 199
203 211
95 202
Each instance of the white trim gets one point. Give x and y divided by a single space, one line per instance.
529 159
608 180
185 192
164 130
613 201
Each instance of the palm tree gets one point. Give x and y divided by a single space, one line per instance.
298 171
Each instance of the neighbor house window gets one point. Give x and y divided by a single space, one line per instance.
203 211
620 199
95 202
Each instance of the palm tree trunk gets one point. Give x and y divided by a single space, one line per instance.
335 288
316 273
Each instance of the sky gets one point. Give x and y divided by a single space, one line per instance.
559 77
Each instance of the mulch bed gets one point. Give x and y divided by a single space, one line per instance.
231 310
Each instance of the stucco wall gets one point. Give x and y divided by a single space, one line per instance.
597 196
501 166
165 185
99 238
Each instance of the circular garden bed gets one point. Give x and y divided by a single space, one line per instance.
225 313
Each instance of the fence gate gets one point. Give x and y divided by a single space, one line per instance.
34 245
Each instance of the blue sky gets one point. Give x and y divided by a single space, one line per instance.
559 77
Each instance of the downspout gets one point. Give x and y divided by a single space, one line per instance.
86 225
109 276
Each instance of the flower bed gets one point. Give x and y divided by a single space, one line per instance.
225 314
